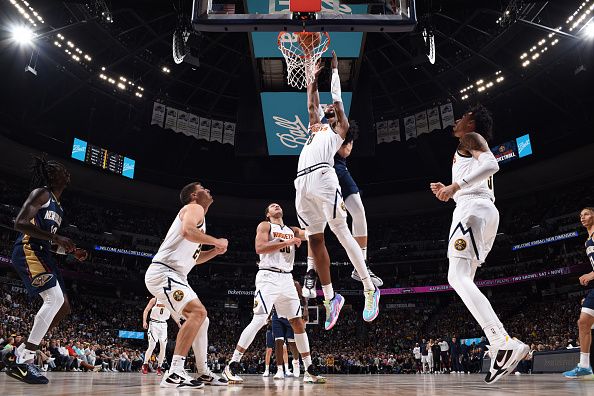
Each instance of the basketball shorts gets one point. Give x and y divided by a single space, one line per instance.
588 304
319 200
278 290
169 286
157 331
282 330
36 268
425 359
269 339
473 230
347 185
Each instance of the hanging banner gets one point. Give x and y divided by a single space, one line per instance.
447 115
394 130
229 133
158 117
433 116
204 132
171 120
216 132
381 128
421 122
410 130
194 125
182 123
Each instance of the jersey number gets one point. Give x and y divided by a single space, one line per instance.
311 136
286 249
490 183
197 252
161 311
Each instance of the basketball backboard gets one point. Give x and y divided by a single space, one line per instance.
275 16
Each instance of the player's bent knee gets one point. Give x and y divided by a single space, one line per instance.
298 325
194 309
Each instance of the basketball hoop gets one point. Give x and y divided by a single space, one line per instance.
302 50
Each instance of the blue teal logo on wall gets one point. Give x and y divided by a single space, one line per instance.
346 45
128 169
286 119
79 149
131 334
524 146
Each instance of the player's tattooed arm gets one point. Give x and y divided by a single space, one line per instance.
474 144
313 97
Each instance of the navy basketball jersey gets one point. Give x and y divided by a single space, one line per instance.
590 249
340 166
48 218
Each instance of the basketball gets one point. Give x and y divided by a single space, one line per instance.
309 41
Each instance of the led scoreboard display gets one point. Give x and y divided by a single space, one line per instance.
103 158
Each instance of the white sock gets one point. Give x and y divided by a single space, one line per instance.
279 369
267 368
302 343
364 251
348 242
328 291
237 356
200 347
306 362
310 264
286 367
178 362
584 360
494 334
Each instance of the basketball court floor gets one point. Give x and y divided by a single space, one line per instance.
99 384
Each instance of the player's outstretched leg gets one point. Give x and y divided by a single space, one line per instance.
585 323
248 334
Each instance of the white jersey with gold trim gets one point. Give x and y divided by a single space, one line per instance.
284 258
160 314
176 251
320 148
463 166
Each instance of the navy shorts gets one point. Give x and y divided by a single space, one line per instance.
36 267
269 339
589 300
281 329
347 185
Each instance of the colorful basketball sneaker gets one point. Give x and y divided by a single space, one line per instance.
333 308
27 373
371 309
579 373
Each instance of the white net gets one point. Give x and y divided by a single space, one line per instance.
302 50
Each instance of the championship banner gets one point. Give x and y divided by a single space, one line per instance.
194 125
286 119
158 117
182 123
545 240
447 115
394 130
421 122
216 131
410 130
204 132
346 45
382 132
171 120
229 133
433 116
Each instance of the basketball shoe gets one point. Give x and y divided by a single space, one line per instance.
505 358
145 368
333 308
376 280
232 373
180 379
266 373
296 369
371 309
27 373
159 371
279 375
210 378
311 376
579 373
309 284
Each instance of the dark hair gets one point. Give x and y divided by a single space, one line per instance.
44 172
266 210
483 121
186 192
351 135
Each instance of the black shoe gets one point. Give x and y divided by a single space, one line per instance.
27 373
212 379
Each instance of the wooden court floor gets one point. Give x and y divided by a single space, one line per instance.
104 384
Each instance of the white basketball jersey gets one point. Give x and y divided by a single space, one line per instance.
160 314
463 166
176 251
322 145
284 258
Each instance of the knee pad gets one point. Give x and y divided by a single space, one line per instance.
260 320
339 227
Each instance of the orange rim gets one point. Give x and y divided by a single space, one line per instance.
280 45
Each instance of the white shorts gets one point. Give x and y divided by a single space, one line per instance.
157 332
169 286
278 290
474 228
425 359
318 200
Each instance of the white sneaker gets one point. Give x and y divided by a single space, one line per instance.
279 375
310 376
505 358
296 369
266 374
376 280
210 378
180 379
232 373
24 355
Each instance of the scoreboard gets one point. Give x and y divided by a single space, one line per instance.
103 158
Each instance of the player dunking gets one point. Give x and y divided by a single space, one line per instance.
586 320
156 327
275 243
166 279
319 200
473 231
38 222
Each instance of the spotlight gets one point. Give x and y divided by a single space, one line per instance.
23 35
589 30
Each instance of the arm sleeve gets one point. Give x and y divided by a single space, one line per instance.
487 166
335 86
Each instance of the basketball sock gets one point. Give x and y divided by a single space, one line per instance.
237 356
150 349
177 363
460 278
279 368
249 333
328 291
348 242
310 264
364 251
200 347
306 362
53 299
267 367
302 343
584 360
287 367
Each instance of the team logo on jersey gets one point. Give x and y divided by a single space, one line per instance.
255 303
343 207
41 280
460 244
178 295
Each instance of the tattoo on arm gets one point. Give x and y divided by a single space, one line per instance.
473 142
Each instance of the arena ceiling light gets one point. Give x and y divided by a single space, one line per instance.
27 12
23 35
123 83
71 49
482 85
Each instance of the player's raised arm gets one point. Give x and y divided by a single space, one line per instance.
263 245
192 215
148 308
313 97
342 125
476 145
